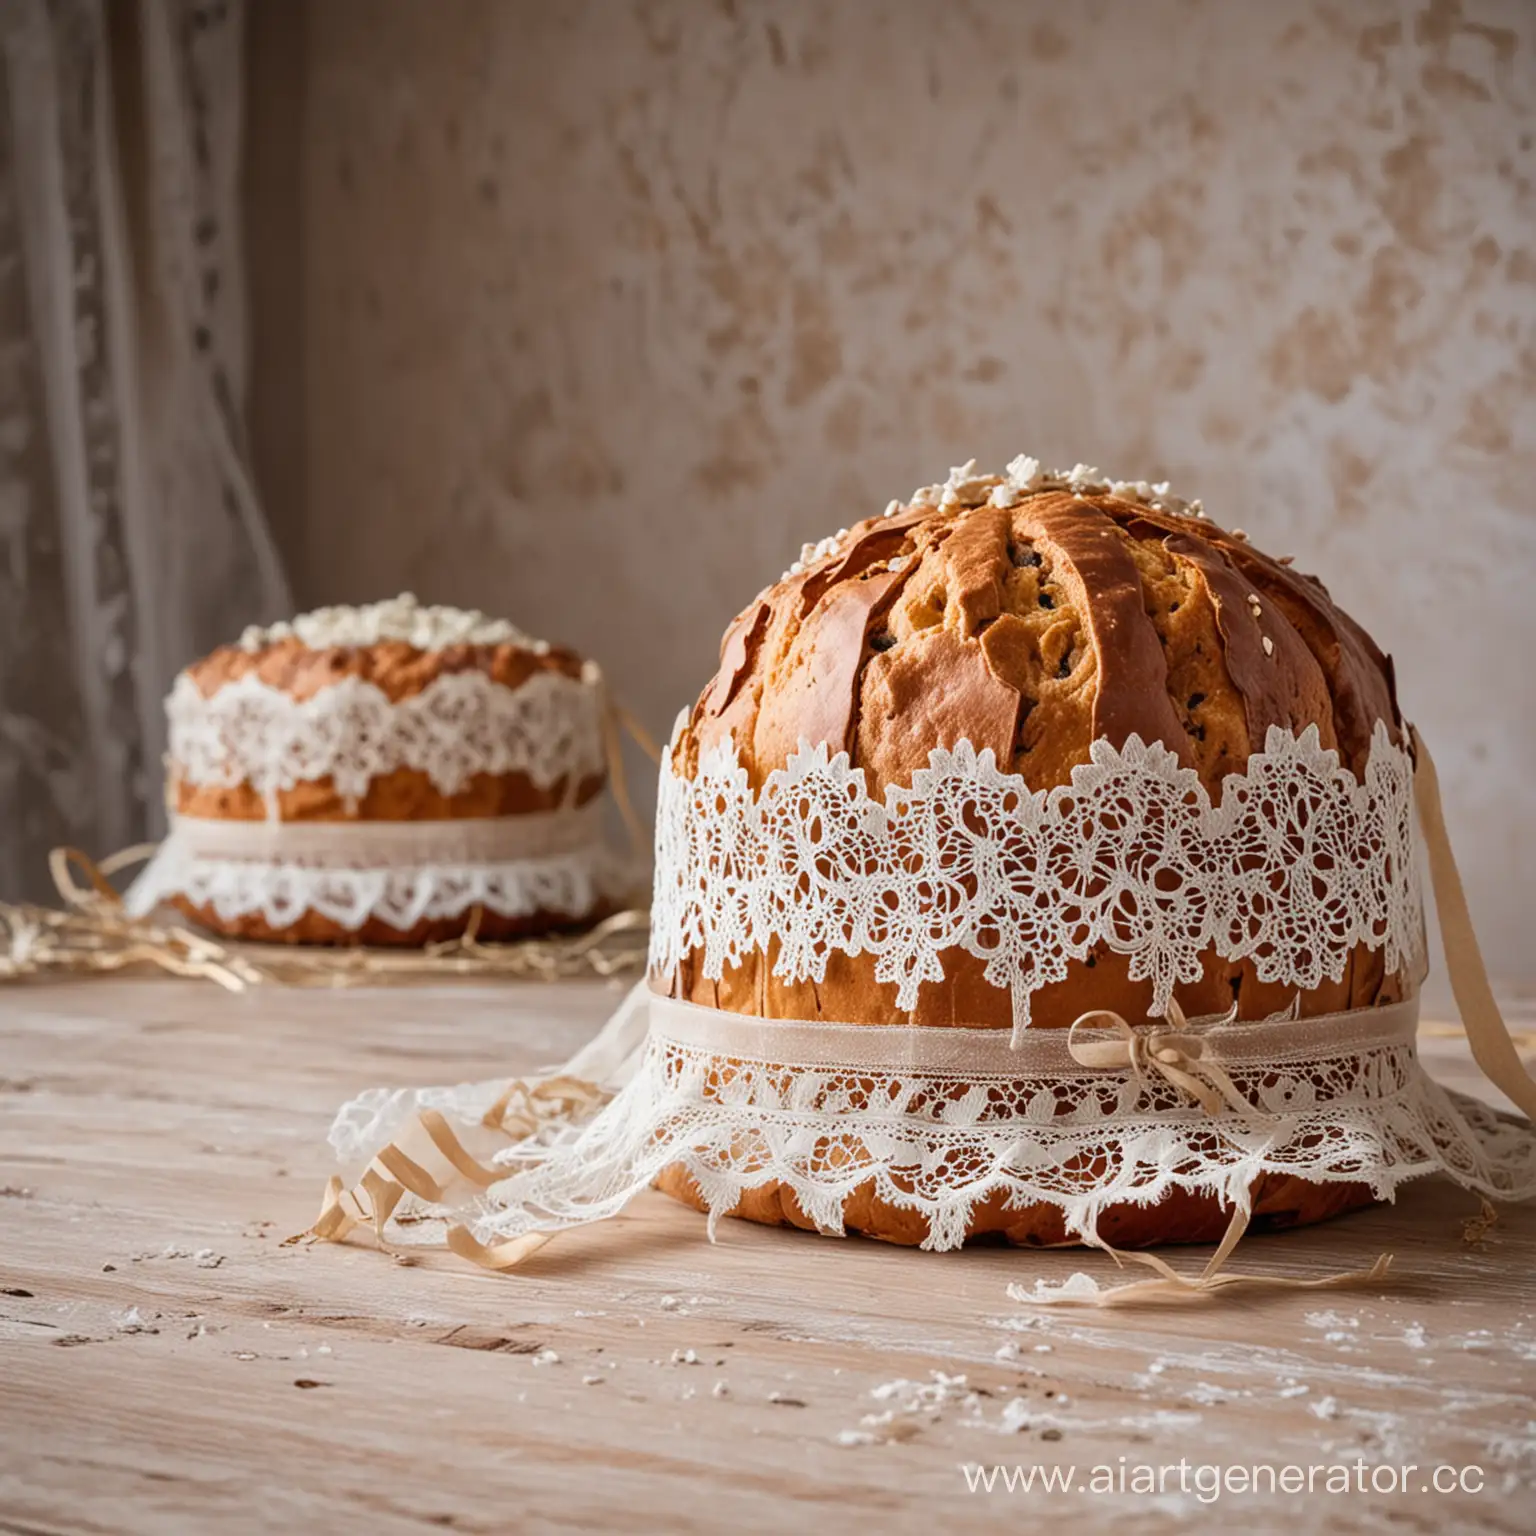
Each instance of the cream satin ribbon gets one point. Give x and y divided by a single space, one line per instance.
1180 1055
1219 1041
392 844
1487 1034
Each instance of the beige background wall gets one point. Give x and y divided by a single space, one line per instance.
591 313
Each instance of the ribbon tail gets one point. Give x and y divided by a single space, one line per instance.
495 1256
1166 1283
427 1158
1488 1035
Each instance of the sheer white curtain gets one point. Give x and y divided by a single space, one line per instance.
131 538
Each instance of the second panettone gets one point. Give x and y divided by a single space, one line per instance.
376 775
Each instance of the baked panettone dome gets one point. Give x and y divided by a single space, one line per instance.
372 775
1034 615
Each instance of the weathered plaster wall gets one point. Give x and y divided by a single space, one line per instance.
608 306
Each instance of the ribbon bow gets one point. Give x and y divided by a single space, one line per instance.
1178 1058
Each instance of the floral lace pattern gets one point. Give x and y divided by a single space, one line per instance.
1297 864
281 892
462 723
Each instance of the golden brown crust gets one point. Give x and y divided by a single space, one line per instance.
397 669
313 928
1097 617
405 794
1279 1201
1034 630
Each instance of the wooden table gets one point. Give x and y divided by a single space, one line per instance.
166 1365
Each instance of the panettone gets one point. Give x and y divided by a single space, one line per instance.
376 775
1033 615
1039 864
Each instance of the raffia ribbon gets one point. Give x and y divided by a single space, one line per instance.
617 723
520 1112
394 1173
430 1161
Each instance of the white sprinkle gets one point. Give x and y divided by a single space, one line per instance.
851 1437
892 508
1269 646
1009 1351
684 1357
593 1381
720 1389
1076 1287
669 1303
206 1258
399 618
966 488
546 1357
1324 1408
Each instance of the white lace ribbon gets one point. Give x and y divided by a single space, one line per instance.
940 1120
401 873
549 727
1293 867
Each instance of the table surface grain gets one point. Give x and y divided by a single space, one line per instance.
167 1365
